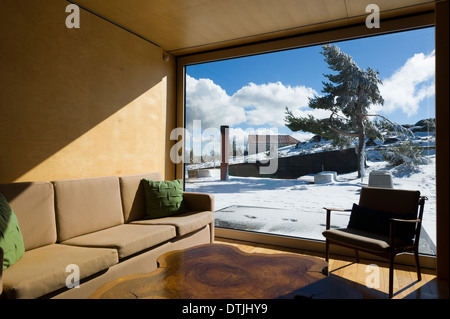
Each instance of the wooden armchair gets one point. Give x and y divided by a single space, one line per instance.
386 222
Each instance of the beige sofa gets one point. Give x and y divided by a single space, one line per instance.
98 225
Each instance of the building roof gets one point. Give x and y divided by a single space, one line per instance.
282 139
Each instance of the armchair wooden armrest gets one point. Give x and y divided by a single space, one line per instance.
337 209
394 221
329 210
404 220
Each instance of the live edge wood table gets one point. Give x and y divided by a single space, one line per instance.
219 271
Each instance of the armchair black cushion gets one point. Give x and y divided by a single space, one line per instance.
378 222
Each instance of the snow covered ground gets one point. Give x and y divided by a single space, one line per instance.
295 207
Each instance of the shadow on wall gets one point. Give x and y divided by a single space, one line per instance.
60 83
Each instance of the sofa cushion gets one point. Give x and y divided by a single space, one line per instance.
133 196
43 270
163 198
184 223
127 239
33 204
11 240
87 205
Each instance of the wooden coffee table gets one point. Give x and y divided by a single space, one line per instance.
218 271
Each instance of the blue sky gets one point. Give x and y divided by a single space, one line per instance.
252 92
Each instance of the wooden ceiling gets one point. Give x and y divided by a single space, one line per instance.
191 26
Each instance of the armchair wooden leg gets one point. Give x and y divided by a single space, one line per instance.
391 276
327 250
416 257
357 255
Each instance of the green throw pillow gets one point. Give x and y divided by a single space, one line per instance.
163 198
11 239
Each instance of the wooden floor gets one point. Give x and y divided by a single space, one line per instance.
363 275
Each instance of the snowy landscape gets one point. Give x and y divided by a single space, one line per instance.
294 207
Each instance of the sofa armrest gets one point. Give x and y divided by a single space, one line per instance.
199 201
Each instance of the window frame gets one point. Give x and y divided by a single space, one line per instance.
417 21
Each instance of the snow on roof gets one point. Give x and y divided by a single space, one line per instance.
282 139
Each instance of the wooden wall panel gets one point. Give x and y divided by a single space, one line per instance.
84 102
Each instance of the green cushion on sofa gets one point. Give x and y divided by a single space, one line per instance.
11 239
163 198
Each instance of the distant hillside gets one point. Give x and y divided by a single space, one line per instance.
423 136
426 125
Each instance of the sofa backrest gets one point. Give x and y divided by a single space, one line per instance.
33 204
86 205
133 196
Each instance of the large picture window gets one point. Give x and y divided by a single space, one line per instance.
279 175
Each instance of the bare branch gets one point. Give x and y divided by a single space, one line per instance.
403 130
338 130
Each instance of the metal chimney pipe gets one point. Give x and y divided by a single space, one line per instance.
225 152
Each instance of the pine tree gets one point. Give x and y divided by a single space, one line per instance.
348 95
407 153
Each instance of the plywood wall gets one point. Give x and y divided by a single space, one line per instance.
86 102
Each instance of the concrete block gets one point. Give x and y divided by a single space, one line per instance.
380 179
324 177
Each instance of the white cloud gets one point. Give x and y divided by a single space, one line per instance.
208 102
265 104
409 85
252 105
